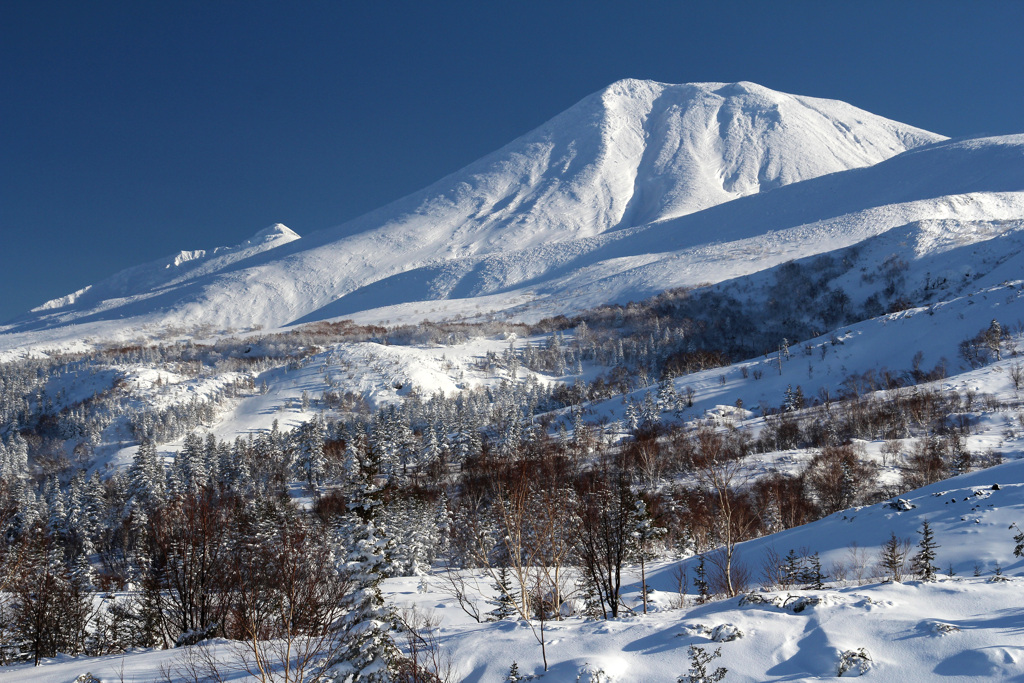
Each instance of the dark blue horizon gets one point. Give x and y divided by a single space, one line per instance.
129 131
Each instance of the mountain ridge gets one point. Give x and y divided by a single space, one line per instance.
635 153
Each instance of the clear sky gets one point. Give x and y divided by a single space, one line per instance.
132 130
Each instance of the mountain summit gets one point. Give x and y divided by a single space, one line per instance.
634 154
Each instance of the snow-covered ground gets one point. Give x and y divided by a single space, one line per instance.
639 188
964 627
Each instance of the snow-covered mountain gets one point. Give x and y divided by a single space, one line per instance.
857 252
631 170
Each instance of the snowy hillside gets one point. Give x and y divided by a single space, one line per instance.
963 627
631 155
720 340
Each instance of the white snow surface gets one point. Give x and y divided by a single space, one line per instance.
566 205
641 187
961 628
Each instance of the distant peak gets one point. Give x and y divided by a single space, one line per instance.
278 233
275 231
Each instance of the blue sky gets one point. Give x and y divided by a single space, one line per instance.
132 130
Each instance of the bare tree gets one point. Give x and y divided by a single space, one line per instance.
288 596
425 661
529 546
189 542
518 551
454 583
605 541
552 523
1017 375
838 478
719 468
52 606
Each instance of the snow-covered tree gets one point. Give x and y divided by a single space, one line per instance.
369 654
646 535
311 463
146 479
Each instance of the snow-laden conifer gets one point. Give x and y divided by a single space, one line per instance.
369 654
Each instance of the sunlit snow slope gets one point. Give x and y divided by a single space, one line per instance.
568 196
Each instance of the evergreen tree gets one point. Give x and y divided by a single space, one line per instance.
792 569
52 603
369 654
587 592
667 397
771 516
700 580
1018 538
632 416
431 449
793 400
923 562
211 463
646 534
145 477
649 414
311 462
893 556
812 574
192 463
503 601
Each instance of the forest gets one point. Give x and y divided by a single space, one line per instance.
277 541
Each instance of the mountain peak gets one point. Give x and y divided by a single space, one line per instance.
277 231
634 154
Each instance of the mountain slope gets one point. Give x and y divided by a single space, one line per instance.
634 153
960 183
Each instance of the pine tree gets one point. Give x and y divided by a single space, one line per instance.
369 654
311 462
210 460
700 581
793 569
646 534
632 415
924 561
504 602
52 602
587 593
893 556
145 477
443 523
667 397
192 459
771 516
579 432
812 574
431 450
994 338
650 416
793 400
